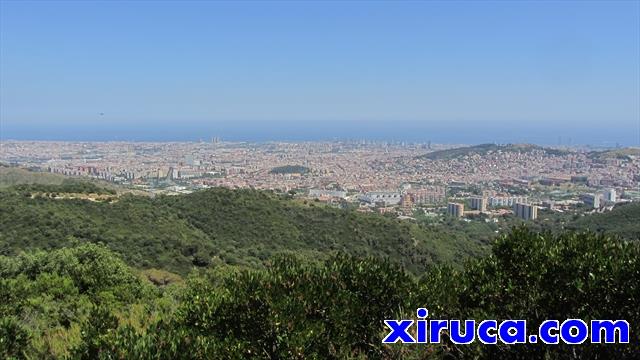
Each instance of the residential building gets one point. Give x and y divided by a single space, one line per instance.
455 209
525 211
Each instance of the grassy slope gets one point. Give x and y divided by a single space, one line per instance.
16 176
10 176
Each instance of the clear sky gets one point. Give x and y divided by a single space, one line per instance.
443 71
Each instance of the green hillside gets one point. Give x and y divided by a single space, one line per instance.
484 149
616 153
623 220
243 227
11 175
17 176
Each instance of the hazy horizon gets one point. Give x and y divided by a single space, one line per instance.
473 133
449 72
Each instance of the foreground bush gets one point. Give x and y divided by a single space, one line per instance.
294 309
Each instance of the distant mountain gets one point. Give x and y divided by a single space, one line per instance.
484 149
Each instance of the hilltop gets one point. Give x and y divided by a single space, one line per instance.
13 175
616 153
484 149
24 177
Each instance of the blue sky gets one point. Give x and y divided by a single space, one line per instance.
442 71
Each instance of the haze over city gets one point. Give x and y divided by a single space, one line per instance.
451 72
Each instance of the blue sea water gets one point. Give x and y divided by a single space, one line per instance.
436 132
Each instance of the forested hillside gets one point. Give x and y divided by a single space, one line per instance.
623 220
238 227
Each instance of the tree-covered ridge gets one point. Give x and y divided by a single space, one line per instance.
240 227
623 220
622 153
484 149
262 223
294 309
247 227
145 233
67 186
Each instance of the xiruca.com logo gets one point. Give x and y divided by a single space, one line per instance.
569 331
